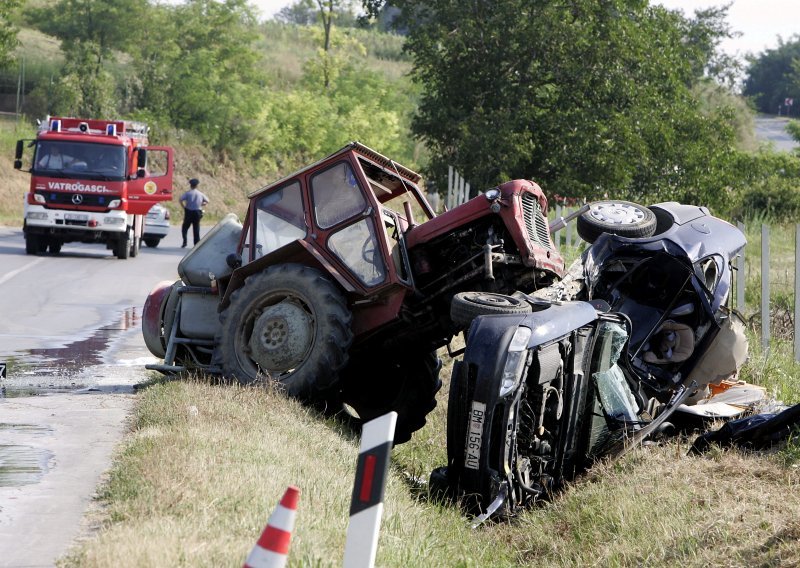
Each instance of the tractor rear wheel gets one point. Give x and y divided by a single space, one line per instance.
288 324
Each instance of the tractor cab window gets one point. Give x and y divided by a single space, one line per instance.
337 196
358 247
279 219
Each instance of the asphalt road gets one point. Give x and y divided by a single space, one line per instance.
71 340
773 129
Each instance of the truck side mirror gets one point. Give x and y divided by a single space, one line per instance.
18 155
141 163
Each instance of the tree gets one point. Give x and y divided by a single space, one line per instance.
8 33
771 78
589 98
91 31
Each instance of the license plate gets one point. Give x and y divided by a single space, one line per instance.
76 217
472 453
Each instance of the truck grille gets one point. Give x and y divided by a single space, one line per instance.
58 198
535 223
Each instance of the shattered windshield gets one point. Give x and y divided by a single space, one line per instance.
80 160
615 403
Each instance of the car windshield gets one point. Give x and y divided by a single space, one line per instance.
80 160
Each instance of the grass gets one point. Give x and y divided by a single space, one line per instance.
205 464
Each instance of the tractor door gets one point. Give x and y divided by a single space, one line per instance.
346 219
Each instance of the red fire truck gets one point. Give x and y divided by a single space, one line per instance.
92 181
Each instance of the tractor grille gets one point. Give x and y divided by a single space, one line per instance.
535 223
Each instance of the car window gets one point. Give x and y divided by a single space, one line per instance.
336 195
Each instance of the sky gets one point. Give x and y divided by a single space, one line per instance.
760 21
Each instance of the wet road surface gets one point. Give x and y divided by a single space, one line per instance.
71 341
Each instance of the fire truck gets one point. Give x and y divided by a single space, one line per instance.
92 181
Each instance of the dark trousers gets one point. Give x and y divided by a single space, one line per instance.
192 218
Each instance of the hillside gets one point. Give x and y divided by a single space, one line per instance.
228 176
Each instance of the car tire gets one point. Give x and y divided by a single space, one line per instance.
621 218
466 306
55 246
377 384
302 331
151 242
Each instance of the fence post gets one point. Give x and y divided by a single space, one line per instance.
765 287
796 290
568 235
740 276
449 201
557 235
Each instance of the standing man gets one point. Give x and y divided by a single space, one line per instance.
193 202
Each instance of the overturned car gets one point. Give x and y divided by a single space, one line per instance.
586 368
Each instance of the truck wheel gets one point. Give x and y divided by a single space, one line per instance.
55 246
466 306
377 384
151 242
621 218
289 324
32 244
123 247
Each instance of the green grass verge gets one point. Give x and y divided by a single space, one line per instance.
204 466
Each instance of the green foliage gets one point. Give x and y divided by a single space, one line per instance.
301 125
8 32
765 183
793 127
772 78
588 98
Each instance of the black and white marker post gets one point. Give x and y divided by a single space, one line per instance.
366 505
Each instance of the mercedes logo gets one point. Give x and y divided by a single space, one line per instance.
77 199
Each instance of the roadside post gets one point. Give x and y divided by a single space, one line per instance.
366 505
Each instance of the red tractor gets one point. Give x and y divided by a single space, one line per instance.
338 285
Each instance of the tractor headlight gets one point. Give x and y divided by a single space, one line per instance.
515 360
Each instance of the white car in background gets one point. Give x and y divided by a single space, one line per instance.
156 225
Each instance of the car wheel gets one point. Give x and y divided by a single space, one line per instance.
151 242
621 218
377 384
289 324
466 306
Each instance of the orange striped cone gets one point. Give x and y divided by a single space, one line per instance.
272 548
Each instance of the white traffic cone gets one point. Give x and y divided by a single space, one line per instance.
272 548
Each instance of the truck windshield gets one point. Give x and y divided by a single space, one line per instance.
78 160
